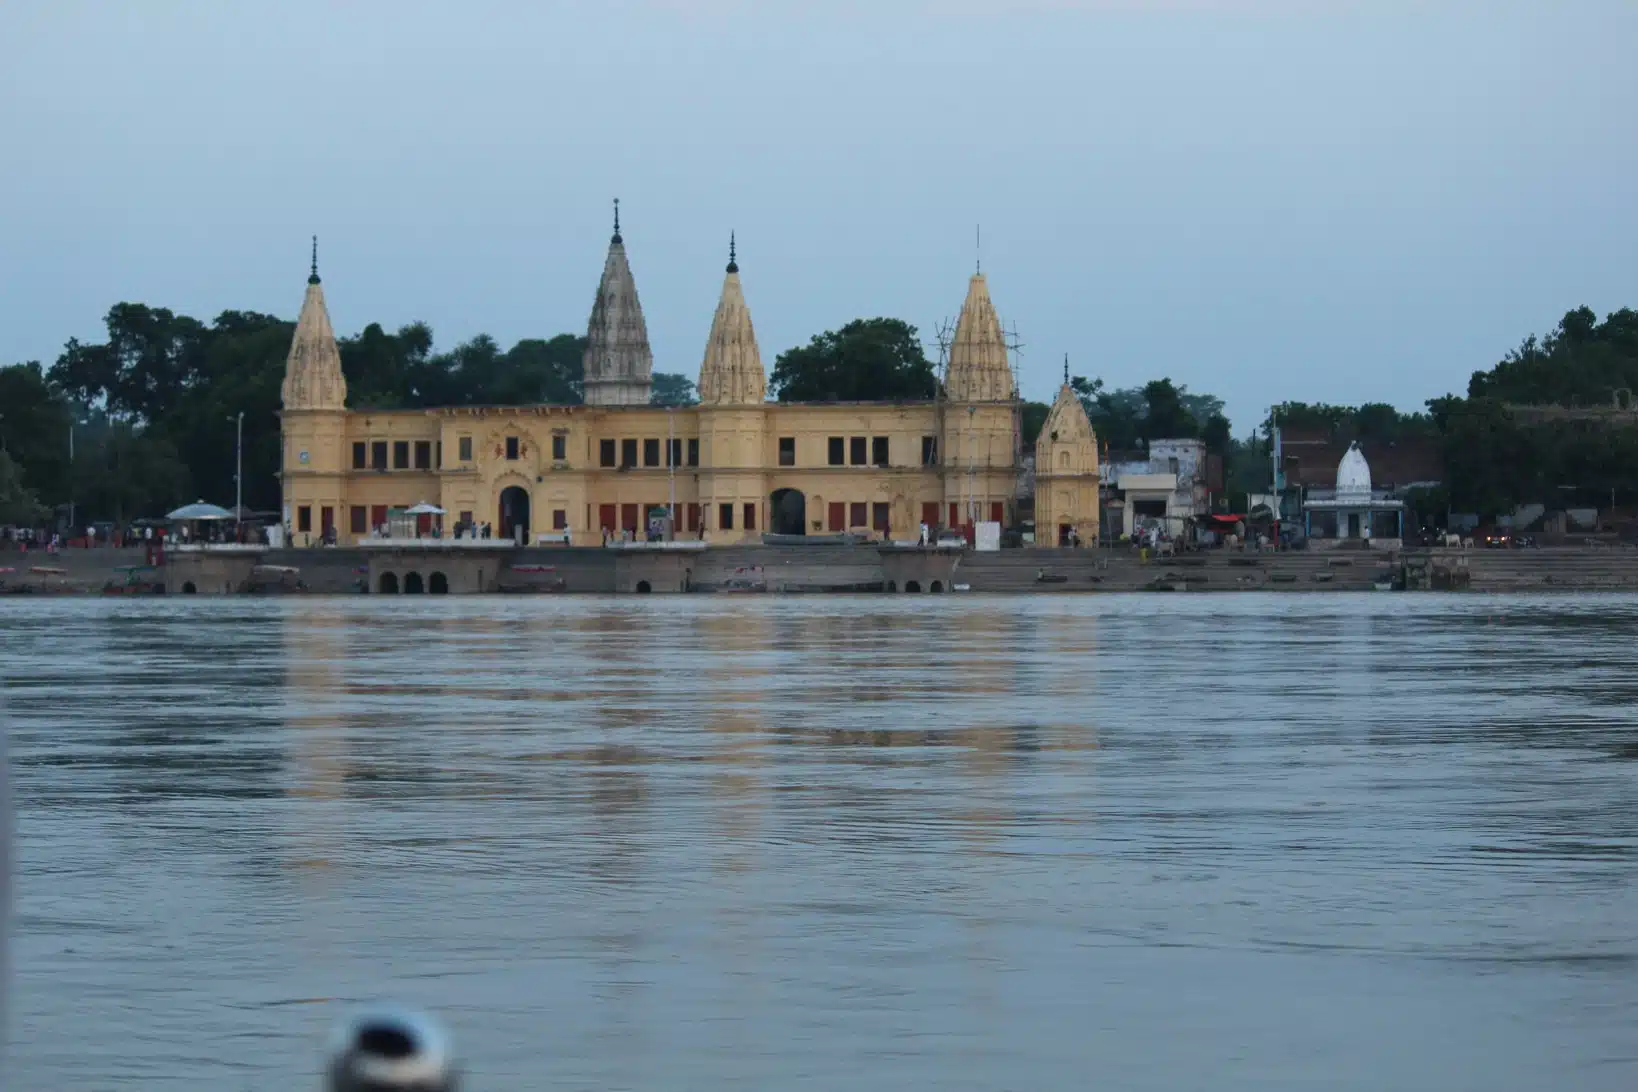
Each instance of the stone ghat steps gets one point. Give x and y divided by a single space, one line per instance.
789 568
1553 569
1123 571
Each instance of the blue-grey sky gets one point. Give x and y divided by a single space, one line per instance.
1332 200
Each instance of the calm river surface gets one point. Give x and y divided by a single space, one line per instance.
948 843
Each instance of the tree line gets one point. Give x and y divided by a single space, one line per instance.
146 419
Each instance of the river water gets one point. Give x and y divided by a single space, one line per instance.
1150 842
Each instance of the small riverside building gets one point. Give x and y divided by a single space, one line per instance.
726 470
1353 511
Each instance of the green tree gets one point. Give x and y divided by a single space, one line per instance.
1033 417
868 360
1166 417
34 421
1215 432
18 504
673 389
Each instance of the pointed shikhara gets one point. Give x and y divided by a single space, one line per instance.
1066 473
312 371
619 365
731 374
978 356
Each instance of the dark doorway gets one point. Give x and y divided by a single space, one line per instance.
912 585
790 512
514 512
1353 524
438 584
189 589
643 587
389 583
412 584
935 586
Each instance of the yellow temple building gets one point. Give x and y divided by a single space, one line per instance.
724 471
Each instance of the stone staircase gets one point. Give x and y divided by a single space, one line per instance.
1124 570
1564 568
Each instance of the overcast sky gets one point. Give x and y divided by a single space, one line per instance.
1263 199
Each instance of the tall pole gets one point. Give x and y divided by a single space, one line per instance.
239 476
671 475
71 477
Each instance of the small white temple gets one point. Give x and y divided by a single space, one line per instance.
1353 511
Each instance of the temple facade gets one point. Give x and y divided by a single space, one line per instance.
726 470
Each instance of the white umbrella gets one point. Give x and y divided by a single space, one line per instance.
200 510
424 509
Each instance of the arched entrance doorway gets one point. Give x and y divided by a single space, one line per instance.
438 584
389 583
412 584
514 512
789 511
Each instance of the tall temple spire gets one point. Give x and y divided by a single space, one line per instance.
1066 369
619 365
312 371
731 374
978 369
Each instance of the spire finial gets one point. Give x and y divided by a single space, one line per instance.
312 274
1066 369
617 219
733 253
978 247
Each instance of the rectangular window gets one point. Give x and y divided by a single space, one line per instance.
787 451
878 450
674 454
560 519
465 446
929 451
929 513
837 516
628 453
750 516
856 450
359 519
628 518
693 517
605 452
838 447
560 447
438 454
651 453
512 448
879 516
361 455
725 517
856 514
400 454
607 519
378 455
423 454
327 518
304 519
378 515
693 453
998 511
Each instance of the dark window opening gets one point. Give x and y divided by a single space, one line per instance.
512 447
787 451
359 519
560 447
725 517
423 454
628 453
466 449
837 449
674 453
856 450
378 455
856 514
400 455
651 453
878 450
361 455
879 516
304 519
560 519
929 451
605 452
693 453
750 517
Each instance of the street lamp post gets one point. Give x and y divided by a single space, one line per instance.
239 475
